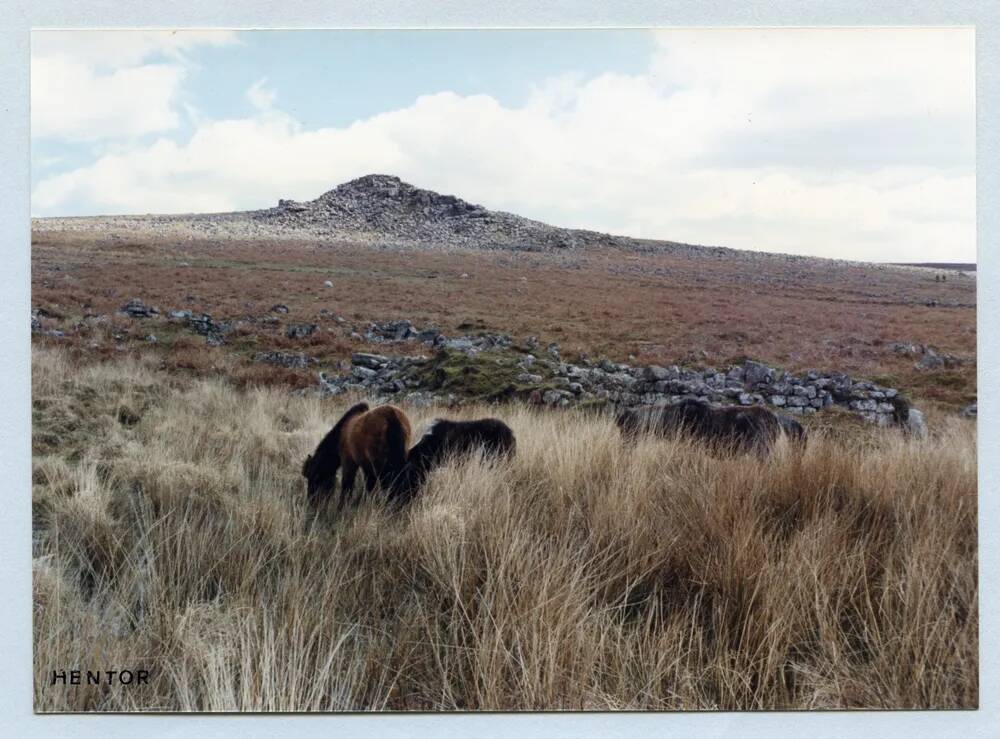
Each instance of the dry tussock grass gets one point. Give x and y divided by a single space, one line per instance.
171 534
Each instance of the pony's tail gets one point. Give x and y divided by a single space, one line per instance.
393 477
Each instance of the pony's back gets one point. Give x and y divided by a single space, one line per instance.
444 439
491 434
747 429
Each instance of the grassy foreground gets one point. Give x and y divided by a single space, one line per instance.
171 534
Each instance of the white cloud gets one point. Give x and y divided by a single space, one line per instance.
647 155
260 96
808 75
94 85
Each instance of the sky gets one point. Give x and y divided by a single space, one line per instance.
845 143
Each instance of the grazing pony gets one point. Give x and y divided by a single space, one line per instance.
728 428
444 439
373 440
794 430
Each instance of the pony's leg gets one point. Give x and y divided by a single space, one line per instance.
371 479
387 480
348 475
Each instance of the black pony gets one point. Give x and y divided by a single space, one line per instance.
794 430
449 439
727 428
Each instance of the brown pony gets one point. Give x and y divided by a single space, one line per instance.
728 428
373 440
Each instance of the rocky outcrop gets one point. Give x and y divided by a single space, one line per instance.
301 330
394 332
930 358
493 367
548 380
291 360
135 308
39 324
393 212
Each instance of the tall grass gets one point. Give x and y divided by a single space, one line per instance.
171 534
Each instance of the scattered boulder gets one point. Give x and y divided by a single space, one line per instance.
292 206
301 330
930 358
756 373
38 327
929 361
390 332
556 397
372 361
213 331
906 348
915 424
291 360
135 308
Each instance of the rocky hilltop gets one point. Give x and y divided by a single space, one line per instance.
391 210
377 209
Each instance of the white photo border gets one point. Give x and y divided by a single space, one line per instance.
18 17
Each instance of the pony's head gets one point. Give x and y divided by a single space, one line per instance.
430 447
692 415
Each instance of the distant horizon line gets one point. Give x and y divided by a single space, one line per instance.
373 175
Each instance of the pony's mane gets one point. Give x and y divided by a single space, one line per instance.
433 427
355 410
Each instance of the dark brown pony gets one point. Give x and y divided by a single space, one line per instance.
374 441
727 428
449 439
793 429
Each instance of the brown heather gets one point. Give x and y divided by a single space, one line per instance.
662 308
171 534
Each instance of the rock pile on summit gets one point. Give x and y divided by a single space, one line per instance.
391 212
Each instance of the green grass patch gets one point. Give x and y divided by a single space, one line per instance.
489 376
